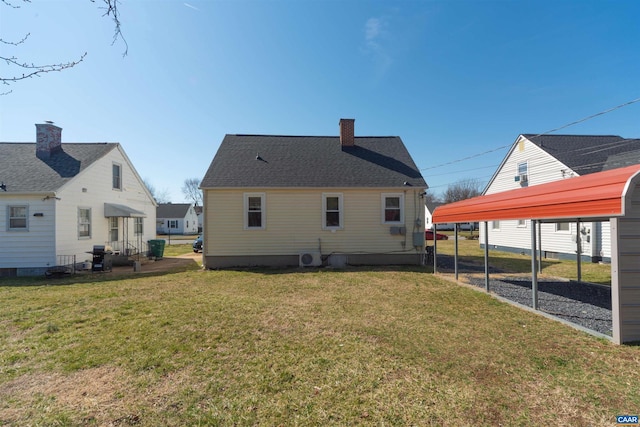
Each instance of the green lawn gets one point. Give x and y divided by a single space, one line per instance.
470 251
299 347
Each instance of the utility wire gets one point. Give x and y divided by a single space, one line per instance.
633 101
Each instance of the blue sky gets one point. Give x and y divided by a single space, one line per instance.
453 79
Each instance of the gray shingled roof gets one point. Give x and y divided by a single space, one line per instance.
311 161
22 171
587 154
172 210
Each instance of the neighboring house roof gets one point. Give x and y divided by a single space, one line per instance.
264 161
583 154
22 172
172 210
432 206
586 154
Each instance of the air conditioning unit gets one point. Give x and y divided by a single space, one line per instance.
310 259
521 178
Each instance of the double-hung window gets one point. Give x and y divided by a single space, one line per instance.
332 211
84 223
18 218
254 211
117 176
392 208
137 226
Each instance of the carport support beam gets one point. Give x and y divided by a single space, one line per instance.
534 267
455 244
579 250
486 255
539 246
435 252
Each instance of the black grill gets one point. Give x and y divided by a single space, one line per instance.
102 260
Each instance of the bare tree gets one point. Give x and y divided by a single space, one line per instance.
191 190
161 196
430 197
462 190
25 70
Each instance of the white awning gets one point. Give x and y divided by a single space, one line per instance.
121 211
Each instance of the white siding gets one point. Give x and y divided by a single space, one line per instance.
294 223
34 247
92 189
186 225
542 168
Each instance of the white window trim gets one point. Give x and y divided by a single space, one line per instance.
521 225
119 188
263 210
137 232
90 223
26 218
340 211
563 231
384 206
495 224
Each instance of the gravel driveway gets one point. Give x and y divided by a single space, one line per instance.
584 304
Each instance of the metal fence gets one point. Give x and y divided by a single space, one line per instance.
129 247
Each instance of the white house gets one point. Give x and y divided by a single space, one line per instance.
58 200
539 159
176 218
312 200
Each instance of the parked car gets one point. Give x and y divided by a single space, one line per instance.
197 244
428 235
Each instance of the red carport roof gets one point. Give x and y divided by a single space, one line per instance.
595 196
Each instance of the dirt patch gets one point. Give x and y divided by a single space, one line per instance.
165 264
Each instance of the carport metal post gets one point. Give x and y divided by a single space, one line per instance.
455 245
486 255
435 252
579 251
539 245
534 269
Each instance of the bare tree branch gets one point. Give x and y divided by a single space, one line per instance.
462 190
191 190
28 70
111 9
35 70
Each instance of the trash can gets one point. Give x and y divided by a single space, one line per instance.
156 248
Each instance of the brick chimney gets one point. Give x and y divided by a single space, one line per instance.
347 138
48 140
